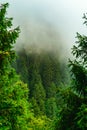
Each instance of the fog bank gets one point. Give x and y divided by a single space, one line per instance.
48 24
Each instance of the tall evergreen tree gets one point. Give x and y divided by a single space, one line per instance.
79 74
14 112
74 115
38 94
21 65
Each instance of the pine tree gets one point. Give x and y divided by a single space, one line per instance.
73 115
38 94
79 75
14 107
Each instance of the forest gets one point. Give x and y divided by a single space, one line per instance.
38 91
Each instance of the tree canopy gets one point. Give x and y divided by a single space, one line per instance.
73 116
14 107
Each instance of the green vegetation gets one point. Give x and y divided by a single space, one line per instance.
14 107
43 78
43 97
73 116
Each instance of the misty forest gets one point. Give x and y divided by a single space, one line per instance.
38 90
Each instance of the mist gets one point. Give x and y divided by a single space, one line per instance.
48 24
38 36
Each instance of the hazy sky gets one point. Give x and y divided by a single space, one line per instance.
61 16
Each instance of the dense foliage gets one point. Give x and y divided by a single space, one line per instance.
43 101
73 116
15 113
14 107
44 73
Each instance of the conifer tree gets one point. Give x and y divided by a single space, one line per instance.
74 115
14 112
79 76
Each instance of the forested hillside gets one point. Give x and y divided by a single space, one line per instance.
44 74
36 91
